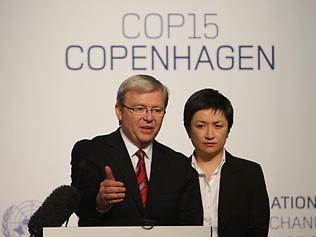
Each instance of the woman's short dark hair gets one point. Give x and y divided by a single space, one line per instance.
207 99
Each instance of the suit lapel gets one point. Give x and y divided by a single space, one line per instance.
125 168
158 161
229 175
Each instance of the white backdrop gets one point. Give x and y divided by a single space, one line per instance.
61 63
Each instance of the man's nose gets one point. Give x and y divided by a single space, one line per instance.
148 115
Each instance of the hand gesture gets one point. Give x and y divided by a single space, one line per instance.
110 192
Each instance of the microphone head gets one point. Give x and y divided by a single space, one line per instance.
55 210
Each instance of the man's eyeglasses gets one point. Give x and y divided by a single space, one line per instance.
141 110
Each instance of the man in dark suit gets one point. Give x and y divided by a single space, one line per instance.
234 195
127 178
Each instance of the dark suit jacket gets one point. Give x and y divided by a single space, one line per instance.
173 195
243 200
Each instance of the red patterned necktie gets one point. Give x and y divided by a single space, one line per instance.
141 175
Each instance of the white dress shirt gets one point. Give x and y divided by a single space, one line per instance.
210 194
132 149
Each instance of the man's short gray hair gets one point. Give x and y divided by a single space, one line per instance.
141 83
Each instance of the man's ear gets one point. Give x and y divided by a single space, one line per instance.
118 112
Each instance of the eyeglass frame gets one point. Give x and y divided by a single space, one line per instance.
146 110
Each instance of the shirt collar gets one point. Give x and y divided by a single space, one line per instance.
132 149
200 171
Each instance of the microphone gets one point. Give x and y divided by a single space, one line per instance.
148 224
55 210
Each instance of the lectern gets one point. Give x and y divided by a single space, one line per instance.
157 231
